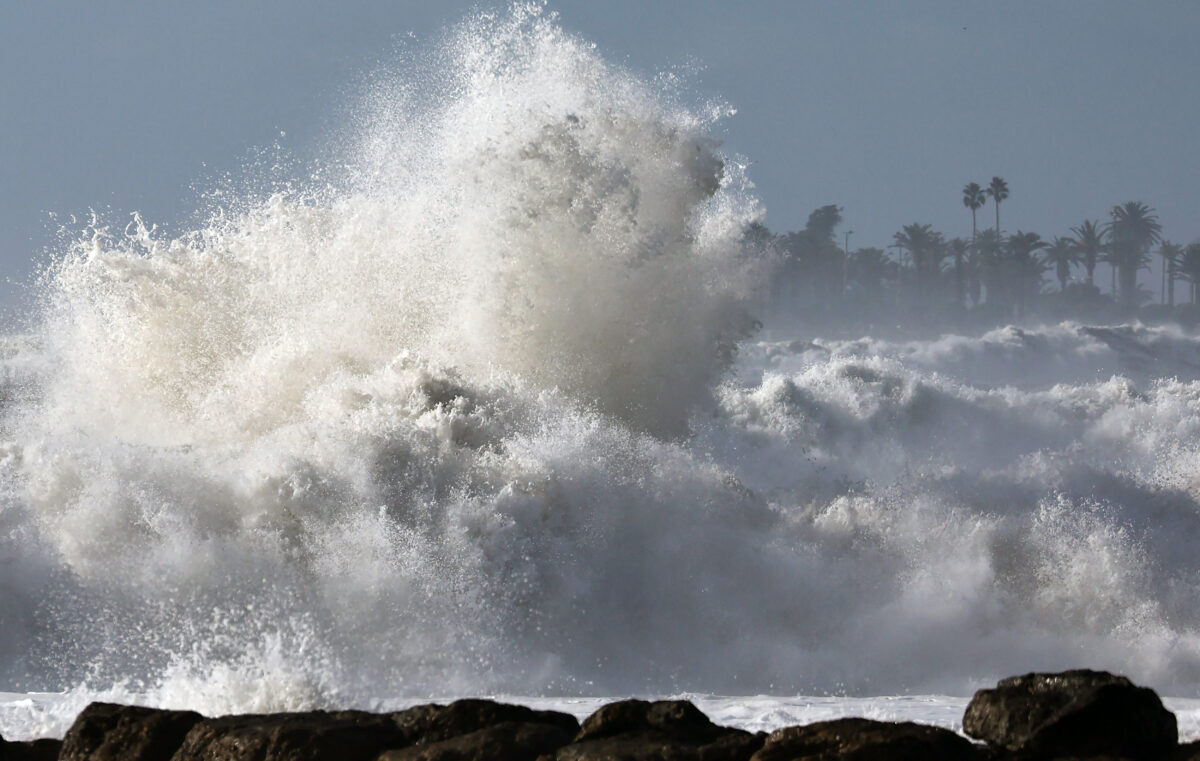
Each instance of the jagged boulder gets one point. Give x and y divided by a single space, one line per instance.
865 740
510 741
633 730
310 736
109 732
432 723
1073 713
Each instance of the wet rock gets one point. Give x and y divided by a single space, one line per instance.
35 750
865 740
311 736
1073 713
676 718
632 730
510 741
108 732
433 723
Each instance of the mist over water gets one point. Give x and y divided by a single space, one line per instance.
475 409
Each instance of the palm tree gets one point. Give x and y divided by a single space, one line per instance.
974 198
1133 230
989 260
926 247
958 248
1170 253
870 269
1025 269
1089 242
1061 254
1189 268
998 190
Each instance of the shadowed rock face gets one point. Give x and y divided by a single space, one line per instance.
674 729
678 718
433 723
37 750
1077 713
313 736
510 741
108 732
865 740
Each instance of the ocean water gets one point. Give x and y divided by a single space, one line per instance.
478 408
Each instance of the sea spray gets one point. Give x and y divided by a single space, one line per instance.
452 416
338 409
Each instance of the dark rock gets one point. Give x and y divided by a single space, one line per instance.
676 718
434 723
108 732
649 746
1186 752
865 740
34 750
510 741
312 736
1074 713
632 730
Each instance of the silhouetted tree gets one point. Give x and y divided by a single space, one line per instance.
974 277
974 198
1060 255
925 246
871 270
1089 242
998 190
1170 253
959 248
813 262
823 221
989 255
1189 268
1024 268
1134 229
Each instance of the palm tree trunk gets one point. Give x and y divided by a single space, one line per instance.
960 283
997 216
1129 286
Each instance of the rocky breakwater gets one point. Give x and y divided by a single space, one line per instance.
1035 717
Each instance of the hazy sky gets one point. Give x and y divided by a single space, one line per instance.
886 108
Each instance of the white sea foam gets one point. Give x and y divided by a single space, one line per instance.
457 419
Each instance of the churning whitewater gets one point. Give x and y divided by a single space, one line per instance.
477 407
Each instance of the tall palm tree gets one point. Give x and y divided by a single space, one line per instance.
1189 268
1062 254
1170 253
998 190
1133 230
989 259
974 198
1089 242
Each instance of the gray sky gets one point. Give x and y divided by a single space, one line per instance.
886 108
